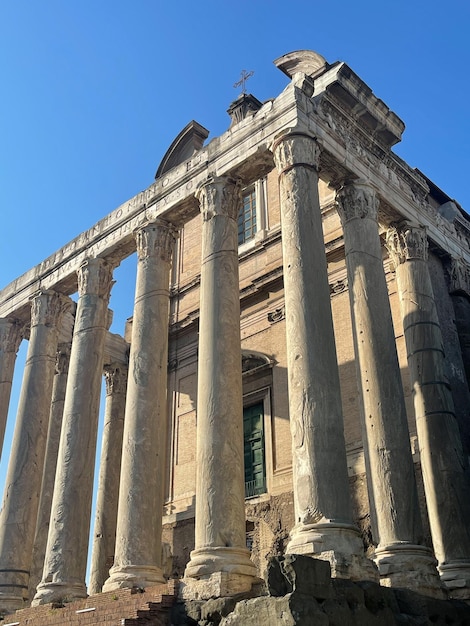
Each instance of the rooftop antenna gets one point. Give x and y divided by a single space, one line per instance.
244 76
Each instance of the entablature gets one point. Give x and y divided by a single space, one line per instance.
354 130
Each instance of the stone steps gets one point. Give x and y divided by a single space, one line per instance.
124 607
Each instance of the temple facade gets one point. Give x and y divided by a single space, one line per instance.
294 378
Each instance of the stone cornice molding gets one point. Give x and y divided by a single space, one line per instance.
156 239
357 201
406 242
219 195
350 149
116 378
459 276
295 149
95 277
11 334
48 307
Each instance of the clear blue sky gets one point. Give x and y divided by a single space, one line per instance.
94 92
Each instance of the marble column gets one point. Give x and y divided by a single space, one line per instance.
11 334
220 563
445 469
23 482
323 514
50 464
67 544
459 289
104 536
137 557
396 521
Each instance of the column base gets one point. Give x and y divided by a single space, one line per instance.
129 576
409 566
338 543
59 592
9 603
207 561
456 578
217 585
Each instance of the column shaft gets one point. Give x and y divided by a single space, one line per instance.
445 470
220 552
323 515
137 560
67 544
391 480
50 464
11 334
23 483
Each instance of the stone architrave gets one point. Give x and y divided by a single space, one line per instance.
220 563
445 469
104 536
67 544
396 521
23 482
323 514
50 464
11 334
137 556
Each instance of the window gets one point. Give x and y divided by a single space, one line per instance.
253 432
252 220
247 217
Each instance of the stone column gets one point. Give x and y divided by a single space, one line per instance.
11 334
23 483
459 289
67 543
391 479
104 538
50 464
323 514
220 562
137 557
445 469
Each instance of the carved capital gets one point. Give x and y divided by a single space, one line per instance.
47 308
220 195
405 242
357 200
459 276
155 239
116 378
11 334
296 149
95 277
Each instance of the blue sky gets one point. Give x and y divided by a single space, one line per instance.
93 93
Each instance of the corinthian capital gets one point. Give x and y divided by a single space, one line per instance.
116 378
155 239
95 277
356 200
459 276
296 149
11 334
406 241
47 308
220 195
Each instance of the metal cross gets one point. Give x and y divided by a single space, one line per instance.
244 76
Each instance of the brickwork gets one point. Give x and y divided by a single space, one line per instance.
126 607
